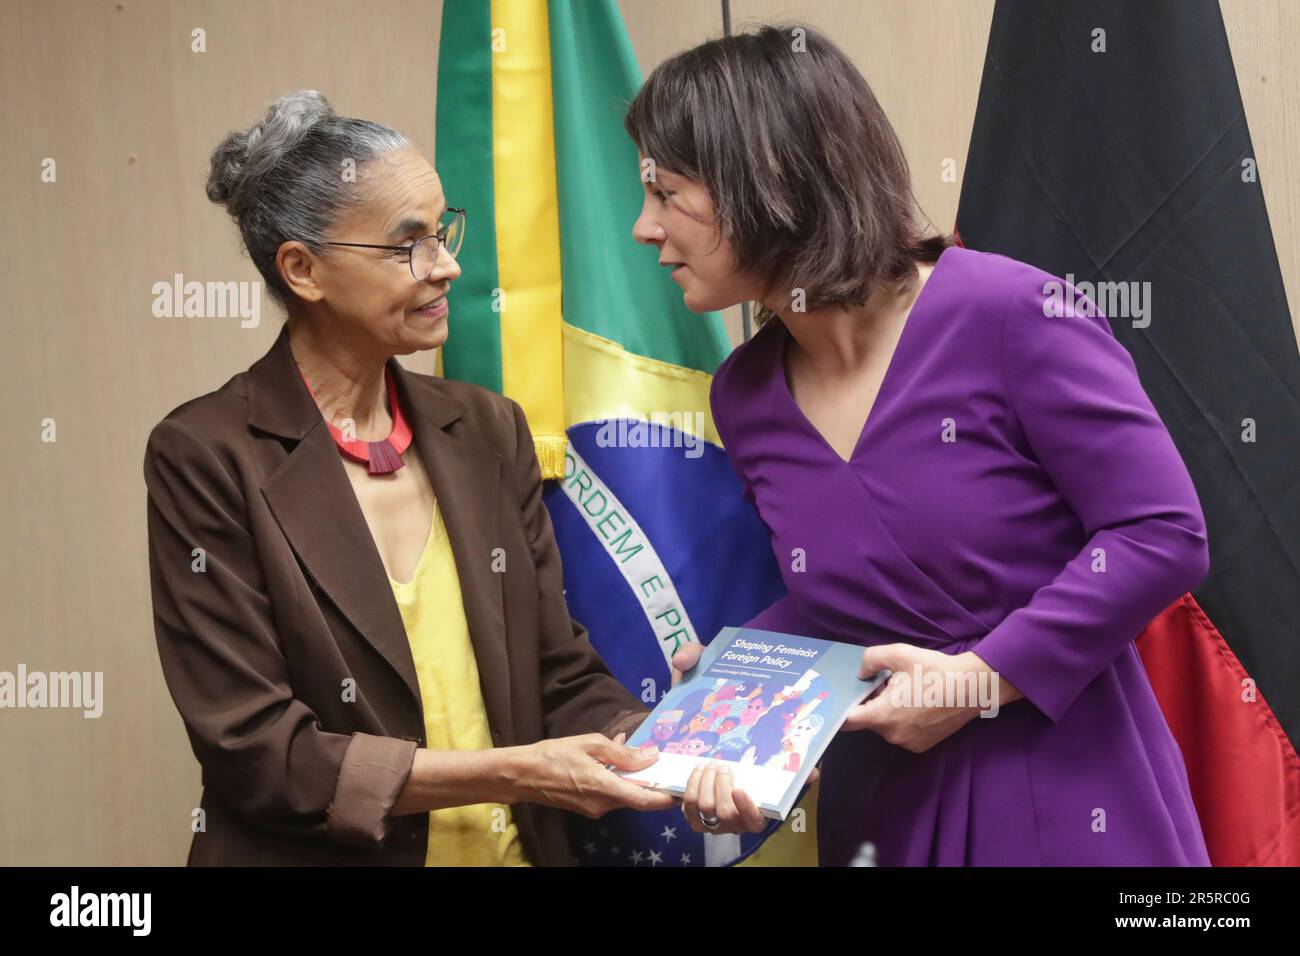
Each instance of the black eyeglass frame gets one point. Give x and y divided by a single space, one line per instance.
440 237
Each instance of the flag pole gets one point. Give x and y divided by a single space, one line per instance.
744 306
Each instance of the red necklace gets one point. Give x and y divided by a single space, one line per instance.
384 456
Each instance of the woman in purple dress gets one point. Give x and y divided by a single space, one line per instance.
957 474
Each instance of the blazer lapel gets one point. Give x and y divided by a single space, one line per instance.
312 499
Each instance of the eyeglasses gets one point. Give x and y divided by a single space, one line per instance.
422 254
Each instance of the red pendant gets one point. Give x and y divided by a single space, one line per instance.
384 456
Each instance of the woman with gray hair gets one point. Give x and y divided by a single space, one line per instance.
357 595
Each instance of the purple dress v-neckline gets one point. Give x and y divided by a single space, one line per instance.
1012 492
898 357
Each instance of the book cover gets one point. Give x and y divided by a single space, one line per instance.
765 702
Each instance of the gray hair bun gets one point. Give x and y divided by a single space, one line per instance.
283 179
243 159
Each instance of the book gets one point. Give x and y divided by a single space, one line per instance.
765 702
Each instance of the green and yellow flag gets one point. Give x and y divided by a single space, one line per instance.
557 307
560 309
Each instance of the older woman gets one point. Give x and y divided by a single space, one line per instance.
357 593
956 477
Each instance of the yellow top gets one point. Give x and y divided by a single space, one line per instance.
454 717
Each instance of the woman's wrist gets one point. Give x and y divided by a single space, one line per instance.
513 767
1006 692
454 778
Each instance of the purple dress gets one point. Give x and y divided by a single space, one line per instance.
1013 492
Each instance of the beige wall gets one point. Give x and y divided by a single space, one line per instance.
112 92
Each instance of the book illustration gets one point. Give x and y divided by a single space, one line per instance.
766 704
744 722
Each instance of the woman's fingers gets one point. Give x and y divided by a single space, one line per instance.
691 800
574 773
616 754
708 802
863 716
639 797
875 712
711 792
729 816
685 658
751 817
736 811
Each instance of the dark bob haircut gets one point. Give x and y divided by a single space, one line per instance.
807 177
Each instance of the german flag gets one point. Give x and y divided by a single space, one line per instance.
1110 148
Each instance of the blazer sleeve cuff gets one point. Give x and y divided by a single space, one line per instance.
373 773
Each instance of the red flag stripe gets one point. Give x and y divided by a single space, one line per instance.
1243 770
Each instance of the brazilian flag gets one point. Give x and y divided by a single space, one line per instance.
559 309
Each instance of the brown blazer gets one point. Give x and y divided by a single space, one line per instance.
258 648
